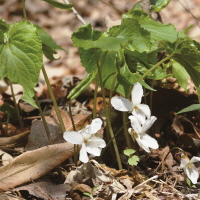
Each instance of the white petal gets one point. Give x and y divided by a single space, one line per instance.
94 151
195 159
136 94
95 125
94 145
192 174
140 116
183 162
145 109
99 142
121 104
85 133
143 145
83 157
135 124
148 123
148 140
73 137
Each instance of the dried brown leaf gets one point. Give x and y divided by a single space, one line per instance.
80 121
38 136
78 190
44 189
10 129
168 160
106 182
34 164
15 140
177 126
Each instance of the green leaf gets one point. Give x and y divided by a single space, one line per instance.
127 75
85 36
190 108
48 44
108 43
125 78
21 57
59 5
131 30
133 161
3 26
180 74
188 181
88 38
1 37
128 152
11 112
137 6
88 194
129 33
109 69
187 53
138 62
157 5
158 30
83 85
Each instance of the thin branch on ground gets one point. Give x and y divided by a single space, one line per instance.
76 13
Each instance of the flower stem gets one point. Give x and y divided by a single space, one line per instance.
163 160
70 114
96 87
43 120
95 99
74 128
24 9
16 108
126 134
154 67
108 144
53 100
107 114
111 91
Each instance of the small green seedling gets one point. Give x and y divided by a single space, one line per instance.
189 183
90 194
133 159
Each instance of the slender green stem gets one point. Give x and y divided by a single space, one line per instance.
162 163
145 96
95 99
151 95
53 100
111 91
43 120
16 108
108 144
96 87
126 134
154 67
107 114
24 9
70 114
74 128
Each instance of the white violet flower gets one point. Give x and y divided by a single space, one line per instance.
86 137
138 133
189 168
141 111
